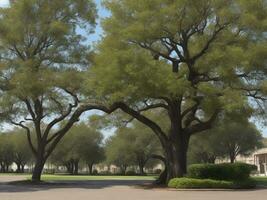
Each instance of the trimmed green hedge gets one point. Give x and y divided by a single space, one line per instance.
191 183
225 171
130 173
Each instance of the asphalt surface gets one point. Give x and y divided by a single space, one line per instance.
114 190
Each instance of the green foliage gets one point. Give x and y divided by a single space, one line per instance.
209 44
265 142
237 138
157 171
228 139
130 173
261 181
81 143
95 172
43 56
137 33
191 183
119 150
40 38
204 148
225 171
22 151
6 152
132 145
198 183
14 148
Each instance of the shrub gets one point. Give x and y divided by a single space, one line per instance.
95 172
244 184
191 183
157 171
198 183
104 173
130 173
225 171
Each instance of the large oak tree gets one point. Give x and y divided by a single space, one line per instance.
212 47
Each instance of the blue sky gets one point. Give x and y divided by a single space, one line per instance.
98 32
4 2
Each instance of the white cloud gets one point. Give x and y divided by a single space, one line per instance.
4 2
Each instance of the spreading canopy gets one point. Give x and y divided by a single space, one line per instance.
212 47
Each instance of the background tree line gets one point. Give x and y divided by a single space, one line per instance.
131 146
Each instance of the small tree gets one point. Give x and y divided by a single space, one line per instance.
227 140
119 150
203 148
22 152
136 142
91 149
238 139
145 145
6 152
82 143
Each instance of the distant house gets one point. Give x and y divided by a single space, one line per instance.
258 158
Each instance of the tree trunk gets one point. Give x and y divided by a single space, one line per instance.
7 168
141 165
38 168
22 168
176 144
69 166
123 169
2 168
18 167
162 177
90 167
76 167
212 159
176 158
141 169
232 158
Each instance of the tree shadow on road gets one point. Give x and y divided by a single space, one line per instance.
27 186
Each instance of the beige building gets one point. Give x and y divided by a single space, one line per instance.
258 158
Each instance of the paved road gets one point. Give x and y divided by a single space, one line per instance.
113 190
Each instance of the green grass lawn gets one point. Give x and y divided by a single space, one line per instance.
86 178
261 181
14 174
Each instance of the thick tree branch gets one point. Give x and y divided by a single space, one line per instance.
153 106
143 119
28 131
209 42
56 137
202 126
